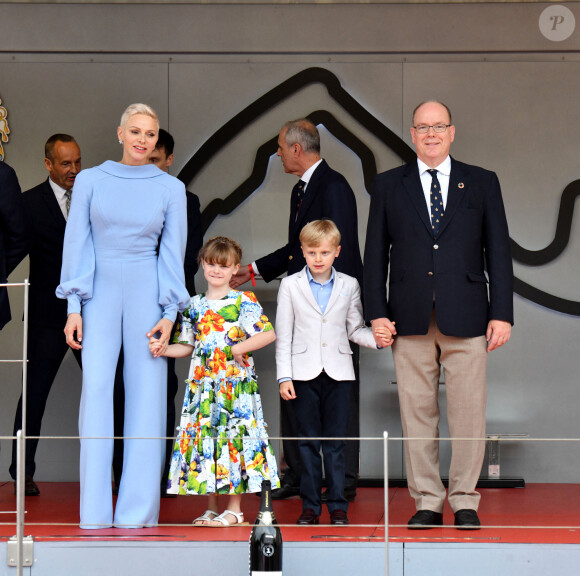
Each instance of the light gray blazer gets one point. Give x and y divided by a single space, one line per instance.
307 340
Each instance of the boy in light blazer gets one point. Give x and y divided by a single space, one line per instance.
319 311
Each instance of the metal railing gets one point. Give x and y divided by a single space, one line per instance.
19 556
22 556
18 540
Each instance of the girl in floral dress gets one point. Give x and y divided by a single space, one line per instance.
222 447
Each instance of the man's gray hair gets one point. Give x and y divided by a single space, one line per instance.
302 132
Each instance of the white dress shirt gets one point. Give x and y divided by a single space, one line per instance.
60 194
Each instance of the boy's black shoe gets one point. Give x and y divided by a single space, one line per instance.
307 517
339 518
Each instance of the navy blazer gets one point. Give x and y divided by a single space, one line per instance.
46 225
328 195
13 236
451 267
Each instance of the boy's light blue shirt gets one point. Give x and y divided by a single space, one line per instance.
321 293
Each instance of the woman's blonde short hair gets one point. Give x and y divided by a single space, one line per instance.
317 231
221 250
138 109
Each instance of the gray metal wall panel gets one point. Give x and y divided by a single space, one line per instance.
292 29
515 113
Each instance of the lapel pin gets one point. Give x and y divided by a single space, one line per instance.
461 185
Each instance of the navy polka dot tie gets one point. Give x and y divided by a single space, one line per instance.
436 203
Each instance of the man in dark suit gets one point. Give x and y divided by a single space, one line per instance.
162 157
320 193
434 226
13 236
46 209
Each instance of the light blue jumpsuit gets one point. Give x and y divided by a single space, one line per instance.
123 280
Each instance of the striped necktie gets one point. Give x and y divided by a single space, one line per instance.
68 195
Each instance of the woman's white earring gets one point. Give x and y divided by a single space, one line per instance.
120 141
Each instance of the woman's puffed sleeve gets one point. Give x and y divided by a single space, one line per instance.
173 295
252 317
78 256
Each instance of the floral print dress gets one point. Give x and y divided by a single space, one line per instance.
222 446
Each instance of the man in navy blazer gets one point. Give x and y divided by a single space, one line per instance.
435 226
13 236
45 207
320 193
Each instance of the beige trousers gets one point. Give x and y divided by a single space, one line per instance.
417 364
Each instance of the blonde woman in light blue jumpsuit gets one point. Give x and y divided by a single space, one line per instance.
122 275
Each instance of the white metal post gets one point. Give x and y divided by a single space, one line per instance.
19 503
21 443
386 483
25 360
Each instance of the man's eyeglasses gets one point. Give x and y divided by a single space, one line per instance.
423 128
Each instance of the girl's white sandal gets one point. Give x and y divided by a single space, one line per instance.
206 517
223 521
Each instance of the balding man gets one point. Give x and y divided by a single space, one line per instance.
434 226
46 208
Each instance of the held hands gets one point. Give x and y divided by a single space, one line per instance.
498 333
287 390
383 331
158 346
74 323
241 277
